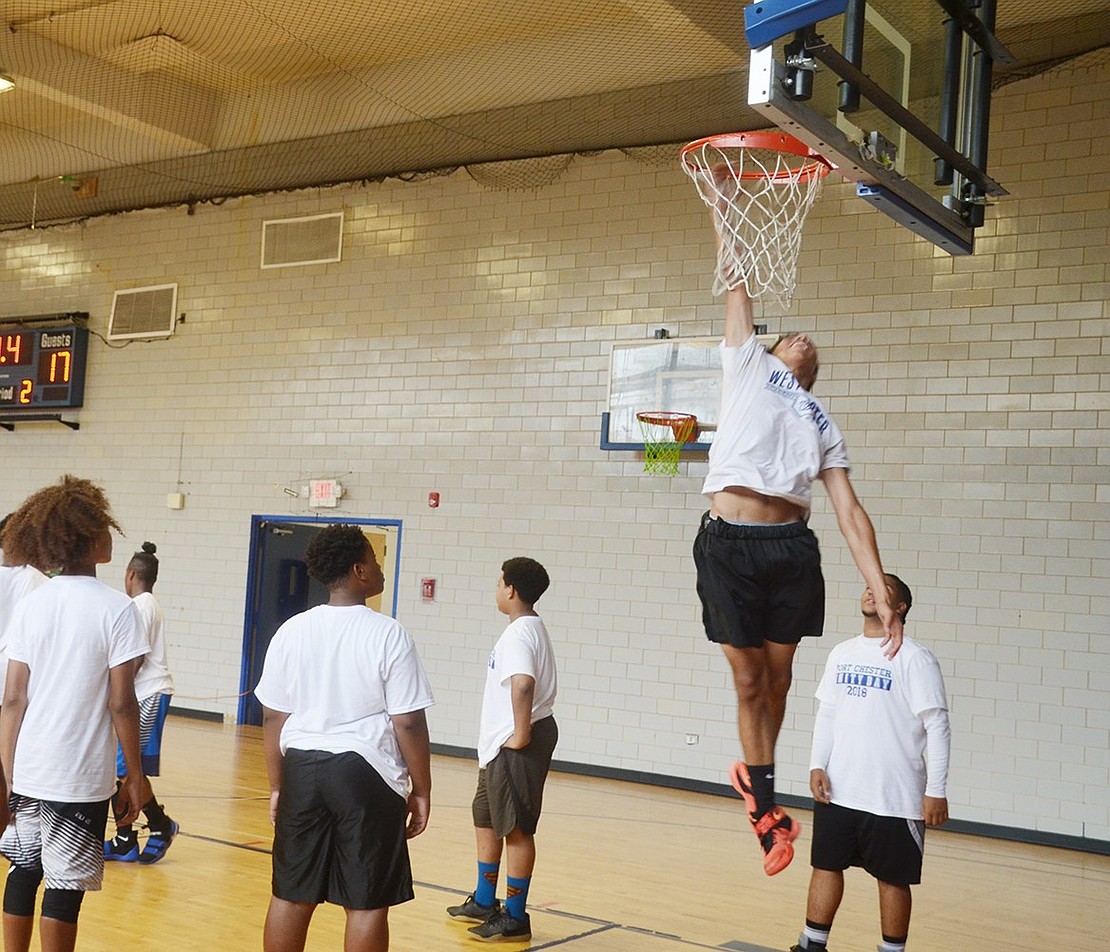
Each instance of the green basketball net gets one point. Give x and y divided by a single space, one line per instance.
664 434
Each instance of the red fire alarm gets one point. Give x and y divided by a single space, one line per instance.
428 589
433 500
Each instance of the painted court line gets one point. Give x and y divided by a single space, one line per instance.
602 925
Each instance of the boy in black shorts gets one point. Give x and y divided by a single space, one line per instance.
878 772
515 744
346 745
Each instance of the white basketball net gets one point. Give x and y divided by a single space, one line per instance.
760 198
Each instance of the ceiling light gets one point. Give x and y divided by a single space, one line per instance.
6 82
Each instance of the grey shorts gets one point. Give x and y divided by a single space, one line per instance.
759 583
510 787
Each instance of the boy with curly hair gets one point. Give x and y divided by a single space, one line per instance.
70 684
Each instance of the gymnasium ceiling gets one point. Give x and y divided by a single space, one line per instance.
124 104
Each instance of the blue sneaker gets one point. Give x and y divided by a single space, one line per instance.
122 850
157 843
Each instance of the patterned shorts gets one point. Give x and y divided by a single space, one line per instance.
64 840
152 718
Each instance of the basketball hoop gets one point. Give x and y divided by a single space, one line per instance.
664 434
760 186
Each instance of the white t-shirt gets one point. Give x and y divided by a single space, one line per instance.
772 436
523 648
340 673
15 582
154 675
882 720
69 632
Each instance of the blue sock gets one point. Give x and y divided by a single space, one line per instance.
486 891
516 895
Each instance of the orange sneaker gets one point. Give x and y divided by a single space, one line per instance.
742 784
776 830
777 833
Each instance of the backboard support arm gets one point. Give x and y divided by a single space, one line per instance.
766 93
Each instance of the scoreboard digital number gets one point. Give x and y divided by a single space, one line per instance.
42 369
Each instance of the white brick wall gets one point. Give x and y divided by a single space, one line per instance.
462 346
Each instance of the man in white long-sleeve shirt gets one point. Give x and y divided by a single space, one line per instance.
878 772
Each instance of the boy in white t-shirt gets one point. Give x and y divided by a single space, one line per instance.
516 740
70 685
878 772
347 753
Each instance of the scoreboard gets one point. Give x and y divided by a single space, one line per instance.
42 368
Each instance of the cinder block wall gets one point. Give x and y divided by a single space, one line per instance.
462 346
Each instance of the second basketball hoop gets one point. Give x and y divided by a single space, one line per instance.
665 433
760 187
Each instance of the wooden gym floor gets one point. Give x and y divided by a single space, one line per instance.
621 868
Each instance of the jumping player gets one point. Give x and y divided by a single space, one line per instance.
758 562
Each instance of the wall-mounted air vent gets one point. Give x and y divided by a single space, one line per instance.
291 242
143 312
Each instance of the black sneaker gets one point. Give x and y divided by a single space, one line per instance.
812 947
503 927
474 912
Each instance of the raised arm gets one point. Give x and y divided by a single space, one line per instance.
739 325
859 533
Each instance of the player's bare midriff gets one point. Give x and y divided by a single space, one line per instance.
737 504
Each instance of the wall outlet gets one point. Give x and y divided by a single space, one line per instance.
692 739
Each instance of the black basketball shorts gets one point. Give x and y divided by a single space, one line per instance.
759 583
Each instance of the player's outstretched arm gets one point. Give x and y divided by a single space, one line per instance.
859 533
739 323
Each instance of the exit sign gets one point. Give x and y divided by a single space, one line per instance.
324 493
